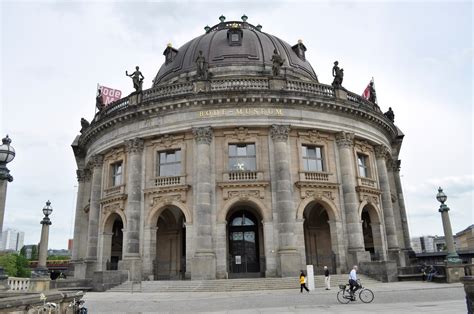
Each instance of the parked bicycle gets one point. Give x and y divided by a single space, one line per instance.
344 295
77 306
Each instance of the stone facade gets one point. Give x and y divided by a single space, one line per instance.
242 177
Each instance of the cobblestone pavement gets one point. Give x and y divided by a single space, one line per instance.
399 297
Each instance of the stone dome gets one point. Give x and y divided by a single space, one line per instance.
234 49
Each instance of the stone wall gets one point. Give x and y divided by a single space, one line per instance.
385 271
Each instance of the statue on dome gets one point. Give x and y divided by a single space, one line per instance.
373 94
338 75
99 102
201 65
84 125
390 115
277 63
137 78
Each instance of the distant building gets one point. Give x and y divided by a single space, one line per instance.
29 250
428 244
464 240
62 252
12 240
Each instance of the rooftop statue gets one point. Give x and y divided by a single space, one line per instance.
137 78
373 95
99 102
338 75
84 125
201 64
277 63
389 114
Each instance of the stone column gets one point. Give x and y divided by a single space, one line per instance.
401 204
149 251
43 249
204 260
337 245
96 162
381 153
270 256
105 250
290 259
356 249
189 249
80 226
131 257
221 251
77 220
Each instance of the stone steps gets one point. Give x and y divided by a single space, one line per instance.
226 285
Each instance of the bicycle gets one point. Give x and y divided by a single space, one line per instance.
77 306
344 295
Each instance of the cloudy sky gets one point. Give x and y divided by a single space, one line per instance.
53 54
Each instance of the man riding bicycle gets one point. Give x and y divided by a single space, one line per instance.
353 282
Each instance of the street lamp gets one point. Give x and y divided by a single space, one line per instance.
41 270
452 257
7 153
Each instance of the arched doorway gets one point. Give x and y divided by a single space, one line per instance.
245 254
170 261
113 241
317 238
372 233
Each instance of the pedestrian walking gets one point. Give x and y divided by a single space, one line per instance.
303 282
327 278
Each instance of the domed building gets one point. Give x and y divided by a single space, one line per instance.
237 162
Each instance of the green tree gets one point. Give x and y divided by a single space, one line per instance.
8 262
23 270
23 251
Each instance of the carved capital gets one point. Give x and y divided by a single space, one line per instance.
345 139
279 133
381 151
203 135
135 145
96 161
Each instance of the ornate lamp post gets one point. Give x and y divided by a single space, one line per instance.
452 257
7 153
41 270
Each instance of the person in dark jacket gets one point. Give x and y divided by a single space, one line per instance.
327 278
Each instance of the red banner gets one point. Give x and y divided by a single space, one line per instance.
109 95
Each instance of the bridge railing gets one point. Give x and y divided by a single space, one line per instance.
18 284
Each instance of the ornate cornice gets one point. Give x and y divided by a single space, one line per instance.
313 136
135 145
316 185
381 151
243 184
364 189
114 198
279 133
96 161
345 139
203 135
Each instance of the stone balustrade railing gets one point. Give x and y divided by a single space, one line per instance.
18 284
167 181
244 175
181 89
308 87
314 176
239 84
367 182
119 189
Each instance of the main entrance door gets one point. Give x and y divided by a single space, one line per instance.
243 245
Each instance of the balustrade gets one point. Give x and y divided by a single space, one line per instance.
243 176
314 176
119 189
18 284
237 84
167 181
367 182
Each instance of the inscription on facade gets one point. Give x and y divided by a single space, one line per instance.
238 112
